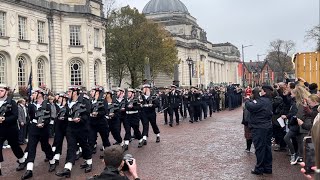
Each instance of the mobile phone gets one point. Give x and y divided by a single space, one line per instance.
308 154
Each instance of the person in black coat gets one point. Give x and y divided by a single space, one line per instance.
114 162
8 126
39 132
260 124
97 121
174 103
77 131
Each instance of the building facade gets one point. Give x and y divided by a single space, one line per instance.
212 63
58 42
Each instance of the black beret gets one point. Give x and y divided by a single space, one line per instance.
267 87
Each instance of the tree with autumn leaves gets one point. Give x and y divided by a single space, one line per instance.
132 41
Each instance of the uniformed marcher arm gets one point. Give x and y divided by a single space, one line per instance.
12 116
254 107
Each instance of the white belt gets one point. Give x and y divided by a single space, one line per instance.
34 121
70 119
132 112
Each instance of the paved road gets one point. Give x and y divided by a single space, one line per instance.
212 149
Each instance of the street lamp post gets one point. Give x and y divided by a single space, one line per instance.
258 56
242 48
190 62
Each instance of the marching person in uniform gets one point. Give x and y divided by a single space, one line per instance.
113 116
39 132
61 123
174 103
149 105
97 121
77 131
132 119
165 104
8 126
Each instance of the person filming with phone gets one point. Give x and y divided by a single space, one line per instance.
116 163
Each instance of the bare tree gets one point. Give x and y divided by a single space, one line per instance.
109 6
279 55
314 35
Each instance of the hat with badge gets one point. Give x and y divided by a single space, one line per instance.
4 86
108 91
97 88
146 86
131 90
74 88
120 89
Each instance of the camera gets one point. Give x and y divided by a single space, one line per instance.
127 157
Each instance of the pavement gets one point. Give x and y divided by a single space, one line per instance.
212 149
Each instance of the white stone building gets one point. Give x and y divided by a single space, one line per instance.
212 63
61 42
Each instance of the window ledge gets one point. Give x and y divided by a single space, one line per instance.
42 43
97 48
73 46
24 40
4 37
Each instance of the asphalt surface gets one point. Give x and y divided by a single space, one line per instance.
212 149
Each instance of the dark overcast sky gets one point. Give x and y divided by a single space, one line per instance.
256 22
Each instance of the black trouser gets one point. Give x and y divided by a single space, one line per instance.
230 102
209 104
74 136
22 133
149 116
37 135
278 134
132 121
101 128
115 128
11 135
181 111
165 114
176 113
60 133
262 142
185 108
291 140
217 101
204 109
51 129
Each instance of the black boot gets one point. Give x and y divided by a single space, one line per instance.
84 165
64 173
52 167
28 174
144 142
21 166
140 144
0 173
88 168
158 139
57 162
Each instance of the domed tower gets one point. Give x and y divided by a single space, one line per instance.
165 6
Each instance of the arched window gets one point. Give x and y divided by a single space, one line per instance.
96 73
21 71
2 69
76 72
40 72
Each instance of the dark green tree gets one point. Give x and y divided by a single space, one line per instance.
131 39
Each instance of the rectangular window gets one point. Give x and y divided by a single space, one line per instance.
75 35
22 28
41 26
2 23
96 37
